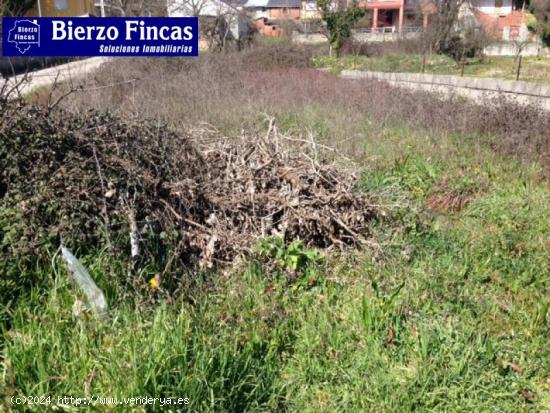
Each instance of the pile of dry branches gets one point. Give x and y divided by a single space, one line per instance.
266 186
91 180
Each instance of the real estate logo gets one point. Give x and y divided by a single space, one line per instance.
91 36
24 34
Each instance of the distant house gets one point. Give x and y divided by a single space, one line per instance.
274 17
504 19
274 9
62 8
309 10
397 16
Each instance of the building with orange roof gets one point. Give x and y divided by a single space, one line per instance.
501 19
397 15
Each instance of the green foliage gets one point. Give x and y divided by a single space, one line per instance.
533 26
533 68
539 21
453 318
16 7
295 259
381 311
468 44
546 33
173 351
450 315
339 22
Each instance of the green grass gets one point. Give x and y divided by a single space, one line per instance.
533 68
450 314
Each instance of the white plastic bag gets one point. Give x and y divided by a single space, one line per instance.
94 296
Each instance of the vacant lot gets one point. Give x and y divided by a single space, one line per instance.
446 308
535 69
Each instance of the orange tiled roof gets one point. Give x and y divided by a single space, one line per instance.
496 23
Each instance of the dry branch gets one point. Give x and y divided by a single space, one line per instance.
206 198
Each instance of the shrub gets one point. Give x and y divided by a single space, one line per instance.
96 181
293 261
231 90
469 44
379 49
278 56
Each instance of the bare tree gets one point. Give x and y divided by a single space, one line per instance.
519 45
186 7
451 27
541 10
125 8
443 22
219 21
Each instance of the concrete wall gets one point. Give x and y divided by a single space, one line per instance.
510 49
477 89
315 38
361 36
503 48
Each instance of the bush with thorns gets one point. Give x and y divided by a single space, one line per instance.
96 180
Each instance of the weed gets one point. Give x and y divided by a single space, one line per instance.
301 264
451 316
533 68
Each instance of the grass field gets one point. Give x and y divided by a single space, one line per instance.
447 312
533 68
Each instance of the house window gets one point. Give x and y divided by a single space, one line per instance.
61 5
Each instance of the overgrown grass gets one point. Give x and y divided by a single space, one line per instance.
450 314
466 331
536 69
233 92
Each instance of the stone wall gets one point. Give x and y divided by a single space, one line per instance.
477 89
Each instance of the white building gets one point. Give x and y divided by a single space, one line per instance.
236 20
495 7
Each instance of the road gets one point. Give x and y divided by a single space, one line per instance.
66 73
